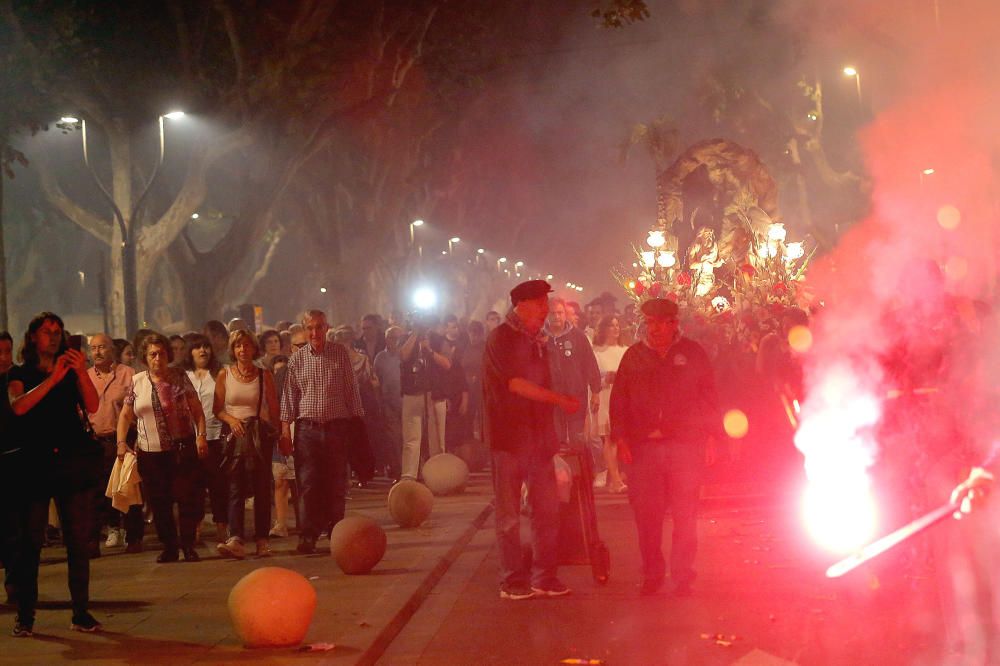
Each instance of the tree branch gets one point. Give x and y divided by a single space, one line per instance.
86 220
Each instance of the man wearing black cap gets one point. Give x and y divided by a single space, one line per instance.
518 407
663 410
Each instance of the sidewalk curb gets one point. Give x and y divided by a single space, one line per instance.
385 637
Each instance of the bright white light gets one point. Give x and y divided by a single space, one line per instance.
502 260
570 285
194 216
455 239
655 239
579 288
794 251
174 115
648 258
840 519
776 232
519 264
72 120
850 71
322 290
444 251
417 223
424 298
549 276
666 259
928 172
480 251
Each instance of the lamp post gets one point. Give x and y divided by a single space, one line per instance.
853 71
126 219
452 242
413 236
501 260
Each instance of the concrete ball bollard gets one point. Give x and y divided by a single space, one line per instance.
272 607
357 543
410 503
446 474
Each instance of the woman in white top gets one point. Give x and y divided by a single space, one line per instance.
237 396
609 349
171 439
202 368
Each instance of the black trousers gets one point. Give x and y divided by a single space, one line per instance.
75 513
169 477
217 482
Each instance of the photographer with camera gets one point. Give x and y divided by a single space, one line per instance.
48 393
422 367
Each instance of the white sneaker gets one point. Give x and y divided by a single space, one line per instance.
232 548
601 479
114 538
279 531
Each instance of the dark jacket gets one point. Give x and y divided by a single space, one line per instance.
674 393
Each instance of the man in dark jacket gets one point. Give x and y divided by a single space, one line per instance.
518 405
663 410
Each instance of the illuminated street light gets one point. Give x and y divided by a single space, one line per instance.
928 172
480 251
322 290
194 216
501 260
852 71
451 243
519 264
549 276
69 120
579 288
414 224
174 115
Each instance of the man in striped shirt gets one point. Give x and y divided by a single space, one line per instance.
320 396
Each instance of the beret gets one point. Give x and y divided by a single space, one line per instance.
529 290
659 307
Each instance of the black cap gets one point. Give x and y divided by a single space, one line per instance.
529 290
663 308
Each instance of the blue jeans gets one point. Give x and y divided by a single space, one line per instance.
321 472
665 473
510 470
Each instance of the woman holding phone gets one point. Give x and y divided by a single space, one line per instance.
49 392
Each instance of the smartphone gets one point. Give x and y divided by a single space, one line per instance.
75 342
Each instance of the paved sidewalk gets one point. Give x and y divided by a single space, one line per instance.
177 613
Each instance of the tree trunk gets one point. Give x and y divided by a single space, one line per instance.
4 324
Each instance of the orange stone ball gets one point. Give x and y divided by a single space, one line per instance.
272 607
357 543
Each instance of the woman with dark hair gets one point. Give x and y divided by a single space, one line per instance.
202 368
125 352
178 347
270 346
171 439
48 392
239 403
609 349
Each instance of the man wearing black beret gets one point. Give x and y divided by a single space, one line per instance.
518 406
663 410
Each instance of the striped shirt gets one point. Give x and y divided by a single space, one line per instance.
320 386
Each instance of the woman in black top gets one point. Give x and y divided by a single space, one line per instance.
47 393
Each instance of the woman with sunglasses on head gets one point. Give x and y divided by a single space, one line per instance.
48 393
202 368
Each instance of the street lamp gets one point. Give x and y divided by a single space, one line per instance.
501 260
125 224
415 223
519 264
852 71
454 240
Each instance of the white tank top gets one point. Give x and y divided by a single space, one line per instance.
241 399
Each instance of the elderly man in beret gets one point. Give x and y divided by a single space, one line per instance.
663 411
520 430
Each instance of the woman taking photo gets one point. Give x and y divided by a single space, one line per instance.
171 439
48 392
609 349
202 368
240 405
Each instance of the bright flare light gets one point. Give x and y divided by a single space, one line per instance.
174 115
835 437
776 232
649 259
417 223
424 298
794 251
655 239
70 120
666 259
850 71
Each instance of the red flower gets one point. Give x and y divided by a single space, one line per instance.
639 289
780 288
671 296
684 279
654 290
777 309
748 269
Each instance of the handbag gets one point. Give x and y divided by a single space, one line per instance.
244 454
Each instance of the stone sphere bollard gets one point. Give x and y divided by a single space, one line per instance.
410 503
446 474
357 543
272 607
